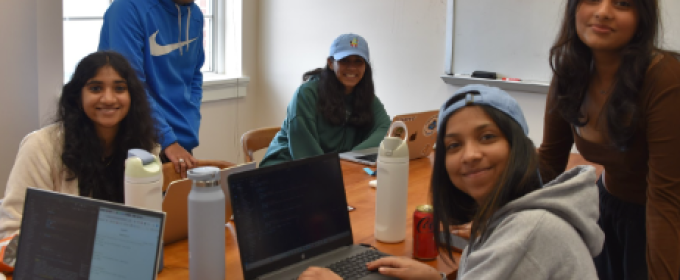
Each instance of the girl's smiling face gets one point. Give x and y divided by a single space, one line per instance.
476 152
607 25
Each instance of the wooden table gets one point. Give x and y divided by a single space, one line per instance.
359 194
362 197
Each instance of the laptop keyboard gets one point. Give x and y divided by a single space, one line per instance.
369 158
354 267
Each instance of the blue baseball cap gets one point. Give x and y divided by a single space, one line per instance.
349 44
491 96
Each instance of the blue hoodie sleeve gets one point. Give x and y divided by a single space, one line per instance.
123 32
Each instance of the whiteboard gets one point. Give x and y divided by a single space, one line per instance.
513 37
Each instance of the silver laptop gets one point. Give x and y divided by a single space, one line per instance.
175 203
422 135
73 237
366 156
294 215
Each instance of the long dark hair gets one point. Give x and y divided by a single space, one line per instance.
570 60
454 207
331 101
83 151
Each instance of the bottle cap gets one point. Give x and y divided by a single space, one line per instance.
394 148
146 157
142 165
205 173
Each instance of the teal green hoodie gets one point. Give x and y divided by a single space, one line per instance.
304 133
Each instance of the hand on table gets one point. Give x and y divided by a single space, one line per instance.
318 273
180 158
462 230
404 268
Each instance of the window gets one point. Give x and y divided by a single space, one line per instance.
83 21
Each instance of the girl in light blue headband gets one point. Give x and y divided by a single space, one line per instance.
485 173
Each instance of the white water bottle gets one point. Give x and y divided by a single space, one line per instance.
144 184
392 190
206 225
143 180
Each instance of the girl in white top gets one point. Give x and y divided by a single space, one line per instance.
102 113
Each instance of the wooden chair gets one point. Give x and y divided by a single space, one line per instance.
257 139
175 202
170 175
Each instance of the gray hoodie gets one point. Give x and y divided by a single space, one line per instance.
551 233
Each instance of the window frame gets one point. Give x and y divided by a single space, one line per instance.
226 80
218 29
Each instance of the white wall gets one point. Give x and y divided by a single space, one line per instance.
406 40
405 37
30 71
224 121
50 52
281 40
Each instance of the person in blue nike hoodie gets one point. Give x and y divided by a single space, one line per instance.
163 41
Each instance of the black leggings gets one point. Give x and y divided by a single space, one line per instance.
623 254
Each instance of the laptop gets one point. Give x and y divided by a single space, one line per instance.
294 215
422 130
175 203
73 237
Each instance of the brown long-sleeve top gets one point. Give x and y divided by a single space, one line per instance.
648 173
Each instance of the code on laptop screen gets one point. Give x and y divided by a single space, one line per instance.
65 237
289 210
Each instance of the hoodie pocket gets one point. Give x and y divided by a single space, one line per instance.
191 96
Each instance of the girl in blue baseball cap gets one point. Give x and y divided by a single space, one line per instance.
335 110
486 172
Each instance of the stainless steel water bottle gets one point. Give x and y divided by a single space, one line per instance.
206 225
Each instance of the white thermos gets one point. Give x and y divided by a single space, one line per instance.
392 190
144 184
143 180
206 224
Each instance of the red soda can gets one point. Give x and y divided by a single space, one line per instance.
423 234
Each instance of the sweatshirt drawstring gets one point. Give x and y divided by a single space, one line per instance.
179 27
188 17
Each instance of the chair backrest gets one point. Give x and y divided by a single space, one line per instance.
175 208
175 201
257 139
169 174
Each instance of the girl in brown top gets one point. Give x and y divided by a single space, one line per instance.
617 97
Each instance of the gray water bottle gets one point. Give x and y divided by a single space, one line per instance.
206 225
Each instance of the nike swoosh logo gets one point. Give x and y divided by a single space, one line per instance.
158 50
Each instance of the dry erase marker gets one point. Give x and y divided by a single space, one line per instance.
512 79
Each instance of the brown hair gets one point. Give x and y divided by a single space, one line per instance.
571 59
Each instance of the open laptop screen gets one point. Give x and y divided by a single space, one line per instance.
289 212
81 238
